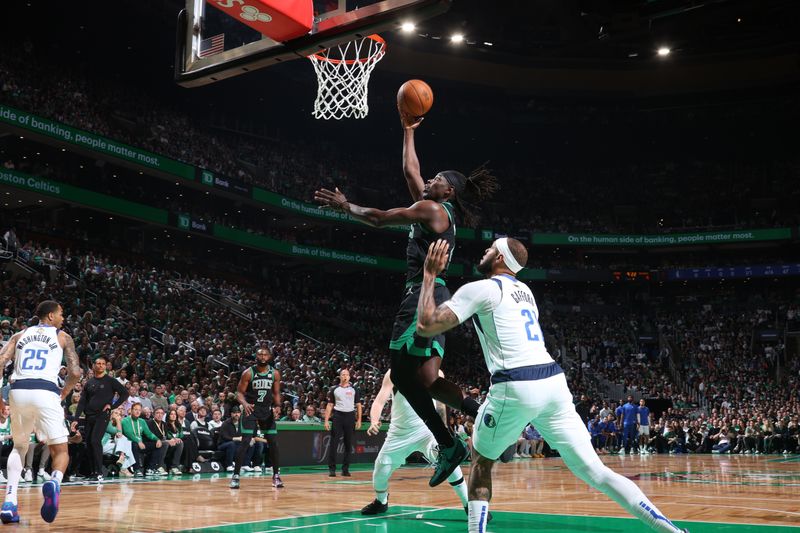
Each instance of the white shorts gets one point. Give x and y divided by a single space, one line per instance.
39 411
398 446
511 405
644 430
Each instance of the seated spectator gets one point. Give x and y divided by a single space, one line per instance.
723 444
158 399
116 443
174 446
147 448
216 420
535 441
596 434
310 415
144 399
293 416
175 435
200 430
6 444
255 455
191 453
229 438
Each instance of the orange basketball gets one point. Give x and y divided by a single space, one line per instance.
415 98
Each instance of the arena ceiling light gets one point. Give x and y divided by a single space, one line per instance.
457 38
664 51
408 27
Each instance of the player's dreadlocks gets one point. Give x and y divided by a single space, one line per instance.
480 185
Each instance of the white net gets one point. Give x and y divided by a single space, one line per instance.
343 77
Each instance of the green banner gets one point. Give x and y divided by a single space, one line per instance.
62 132
260 242
315 211
82 196
668 239
85 139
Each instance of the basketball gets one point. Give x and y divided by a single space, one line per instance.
415 98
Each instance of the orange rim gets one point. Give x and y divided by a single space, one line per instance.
375 37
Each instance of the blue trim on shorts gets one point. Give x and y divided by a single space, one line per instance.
527 373
35 384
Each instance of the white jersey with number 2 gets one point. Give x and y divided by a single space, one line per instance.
506 319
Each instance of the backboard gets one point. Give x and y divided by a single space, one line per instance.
212 45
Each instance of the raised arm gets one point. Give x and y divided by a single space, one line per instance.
379 403
73 363
427 212
432 320
411 168
477 297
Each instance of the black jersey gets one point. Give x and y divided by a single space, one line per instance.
259 392
420 238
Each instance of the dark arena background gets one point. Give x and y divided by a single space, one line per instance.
159 166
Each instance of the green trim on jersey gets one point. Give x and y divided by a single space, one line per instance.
254 395
418 279
406 340
449 208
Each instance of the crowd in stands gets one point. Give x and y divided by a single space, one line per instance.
565 195
179 353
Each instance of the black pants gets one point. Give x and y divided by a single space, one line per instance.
95 429
190 451
151 456
343 425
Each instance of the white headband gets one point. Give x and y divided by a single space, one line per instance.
508 257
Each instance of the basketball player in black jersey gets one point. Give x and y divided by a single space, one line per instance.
416 360
259 394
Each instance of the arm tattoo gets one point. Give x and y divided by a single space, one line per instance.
8 351
73 363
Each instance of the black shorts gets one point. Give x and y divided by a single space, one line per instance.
266 423
404 336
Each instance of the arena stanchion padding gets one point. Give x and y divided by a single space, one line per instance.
280 20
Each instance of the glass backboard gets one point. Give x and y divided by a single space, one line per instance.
212 45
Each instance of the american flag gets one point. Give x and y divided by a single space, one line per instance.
212 45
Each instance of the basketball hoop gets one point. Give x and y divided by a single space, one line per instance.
343 75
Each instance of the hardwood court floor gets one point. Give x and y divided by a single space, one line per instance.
704 493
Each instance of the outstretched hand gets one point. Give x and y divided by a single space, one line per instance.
409 122
333 199
437 257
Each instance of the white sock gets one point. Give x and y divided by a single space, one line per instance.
14 468
57 475
380 480
456 481
478 513
581 459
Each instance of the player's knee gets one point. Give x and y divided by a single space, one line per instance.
21 447
479 493
598 475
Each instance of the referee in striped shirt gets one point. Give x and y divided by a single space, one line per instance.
344 402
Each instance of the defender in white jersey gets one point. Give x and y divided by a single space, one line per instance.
35 401
526 384
407 434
